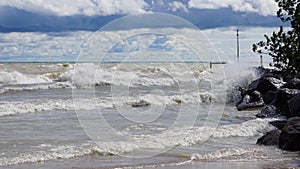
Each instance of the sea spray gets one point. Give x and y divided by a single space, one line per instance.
238 75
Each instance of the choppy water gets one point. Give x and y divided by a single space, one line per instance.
98 115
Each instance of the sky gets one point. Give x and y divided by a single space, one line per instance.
56 30
65 15
111 7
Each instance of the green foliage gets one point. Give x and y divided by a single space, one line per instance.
284 46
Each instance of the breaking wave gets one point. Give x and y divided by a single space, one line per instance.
33 106
185 136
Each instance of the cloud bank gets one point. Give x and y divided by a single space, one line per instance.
60 47
78 7
263 7
113 7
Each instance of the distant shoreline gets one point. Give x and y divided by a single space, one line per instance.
18 62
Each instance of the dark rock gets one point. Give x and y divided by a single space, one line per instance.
265 84
252 100
292 84
269 97
285 93
267 111
281 98
141 103
240 94
289 138
241 90
294 106
279 124
253 105
255 96
270 138
243 104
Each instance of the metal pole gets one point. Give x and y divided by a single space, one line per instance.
261 61
238 45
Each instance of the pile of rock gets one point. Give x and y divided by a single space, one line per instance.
279 96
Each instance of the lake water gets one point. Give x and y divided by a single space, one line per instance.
130 115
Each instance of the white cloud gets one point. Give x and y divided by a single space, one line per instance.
109 7
73 7
61 46
177 5
263 7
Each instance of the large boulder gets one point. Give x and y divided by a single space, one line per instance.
271 138
251 100
267 111
293 83
269 97
294 106
289 138
279 98
265 84
284 94
279 124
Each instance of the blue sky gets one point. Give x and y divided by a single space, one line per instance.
69 15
